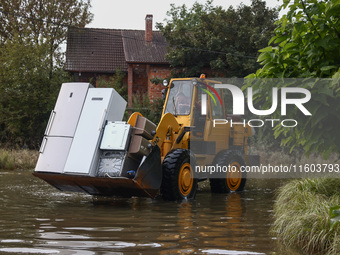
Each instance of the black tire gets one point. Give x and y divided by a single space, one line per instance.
225 185
178 166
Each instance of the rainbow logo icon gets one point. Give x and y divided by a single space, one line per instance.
204 98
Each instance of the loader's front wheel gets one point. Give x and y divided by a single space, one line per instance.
178 178
235 179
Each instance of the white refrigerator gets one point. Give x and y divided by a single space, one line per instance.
61 127
101 105
71 141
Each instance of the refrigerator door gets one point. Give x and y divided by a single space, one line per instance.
64 118
116 107
84 153
53 154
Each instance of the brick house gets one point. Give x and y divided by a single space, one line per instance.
140 54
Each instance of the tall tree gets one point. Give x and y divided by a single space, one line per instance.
31 60
43 21
226 41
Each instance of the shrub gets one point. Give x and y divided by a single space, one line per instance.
306 215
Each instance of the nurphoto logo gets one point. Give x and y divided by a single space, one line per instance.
238 107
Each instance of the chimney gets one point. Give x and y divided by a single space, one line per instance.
148 28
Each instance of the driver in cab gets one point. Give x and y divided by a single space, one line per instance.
183 100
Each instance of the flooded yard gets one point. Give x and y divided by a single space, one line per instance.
38 219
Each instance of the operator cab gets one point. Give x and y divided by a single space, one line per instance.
186 96
193 102
179 97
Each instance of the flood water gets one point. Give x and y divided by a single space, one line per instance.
35 218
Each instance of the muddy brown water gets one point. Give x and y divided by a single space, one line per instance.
35 218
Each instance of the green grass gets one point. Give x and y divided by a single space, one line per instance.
18 159
306 215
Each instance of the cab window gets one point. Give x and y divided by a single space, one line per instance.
180 97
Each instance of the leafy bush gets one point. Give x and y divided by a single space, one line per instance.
306 44
150 110
115 81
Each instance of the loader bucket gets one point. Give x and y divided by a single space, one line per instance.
149 174
146 183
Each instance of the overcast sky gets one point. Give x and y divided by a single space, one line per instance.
128 14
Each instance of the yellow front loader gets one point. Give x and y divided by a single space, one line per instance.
193 141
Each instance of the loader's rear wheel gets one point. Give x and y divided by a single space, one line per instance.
178 178
235 180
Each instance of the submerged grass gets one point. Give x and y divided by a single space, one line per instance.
306 215
18 159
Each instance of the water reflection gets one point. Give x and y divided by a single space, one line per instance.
37 219
227 226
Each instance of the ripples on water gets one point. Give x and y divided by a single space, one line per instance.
38 219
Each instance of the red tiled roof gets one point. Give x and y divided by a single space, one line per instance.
95 50
106 50
137 50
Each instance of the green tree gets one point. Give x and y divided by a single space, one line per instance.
27 92
306 44
43 21
31 61
226 41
